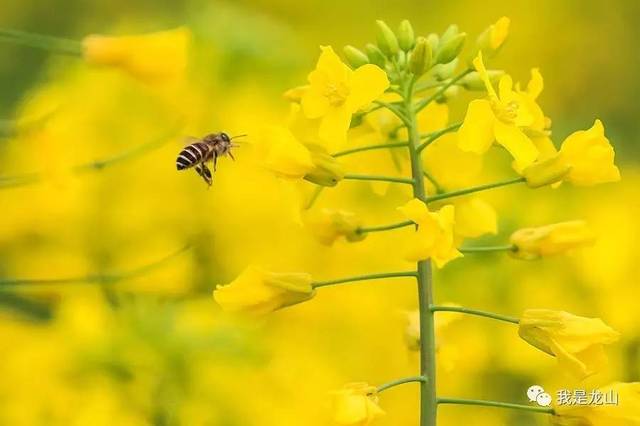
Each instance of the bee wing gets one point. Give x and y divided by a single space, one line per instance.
188 140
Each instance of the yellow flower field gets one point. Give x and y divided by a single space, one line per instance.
432 219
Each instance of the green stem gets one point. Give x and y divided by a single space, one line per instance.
485 249
435 135
367 229
379 178
30 178
402 381
428 401
38 41
497 404
94 278
366 277
476 312
423 103
473 189
370 147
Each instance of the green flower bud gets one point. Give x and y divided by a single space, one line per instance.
406 37
451 31
450 93
420 59
546 172
387 41
445 71
450 49
328 171
355 57
472 81
375 55
434 41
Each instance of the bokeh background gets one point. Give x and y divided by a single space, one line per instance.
153 348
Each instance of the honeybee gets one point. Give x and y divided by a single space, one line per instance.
200 151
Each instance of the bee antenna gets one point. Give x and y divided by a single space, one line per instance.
238 136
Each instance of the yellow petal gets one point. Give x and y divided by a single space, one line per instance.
314 103
479 65
499 32
476 134
536 84
334 126
331 67
505 88
475 217
517 143
367 84
284 155
416 211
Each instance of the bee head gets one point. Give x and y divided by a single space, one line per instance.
225 137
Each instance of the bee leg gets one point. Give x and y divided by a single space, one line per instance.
232 157
215 161
205 173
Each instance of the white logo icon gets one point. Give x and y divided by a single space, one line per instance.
538 395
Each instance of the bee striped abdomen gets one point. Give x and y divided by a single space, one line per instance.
191 155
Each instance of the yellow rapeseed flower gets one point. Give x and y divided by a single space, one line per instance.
286 156
258 291
585 158
590 157
626 412
356 404
150 57
434 238
328 225
335 92
534 243
577 342
502 117
283 154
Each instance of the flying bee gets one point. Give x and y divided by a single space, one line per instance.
200 151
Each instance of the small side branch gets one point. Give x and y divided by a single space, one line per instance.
424 102
381 276
435 135
473 189
487 249
38 41
370 148
93 278
394 109
394 383
368 229
476 312
496 404
378 178
31 178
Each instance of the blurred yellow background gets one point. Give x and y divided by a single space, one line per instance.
154 348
